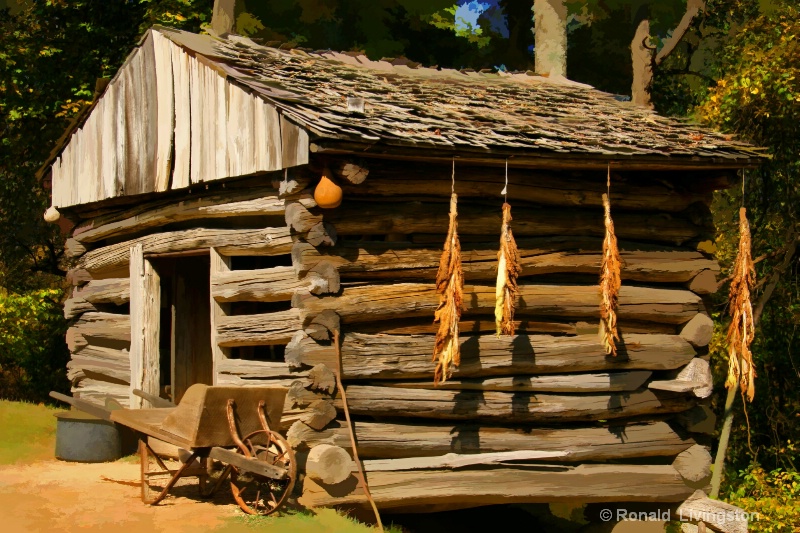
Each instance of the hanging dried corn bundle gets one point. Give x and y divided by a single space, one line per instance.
507 271
610 282
449 287
742 329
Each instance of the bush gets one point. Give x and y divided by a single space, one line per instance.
33 353
774 495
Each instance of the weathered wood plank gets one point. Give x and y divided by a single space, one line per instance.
165 123
402 300
585 483
355 218
381 260
266 241
295 144
624 440
182 119
145 322
367 356
503 407
257 330
220 265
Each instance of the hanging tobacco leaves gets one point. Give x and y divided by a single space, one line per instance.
508 270
610 283
742 329
450 288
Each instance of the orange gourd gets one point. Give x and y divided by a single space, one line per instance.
328 194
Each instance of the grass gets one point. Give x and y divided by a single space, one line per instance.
27 432
320 521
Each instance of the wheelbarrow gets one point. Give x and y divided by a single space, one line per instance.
226 424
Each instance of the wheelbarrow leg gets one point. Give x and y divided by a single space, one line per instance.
145 452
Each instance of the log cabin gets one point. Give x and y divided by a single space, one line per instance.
198 253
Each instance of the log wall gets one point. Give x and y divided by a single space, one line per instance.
366 270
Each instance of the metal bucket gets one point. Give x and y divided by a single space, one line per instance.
84 438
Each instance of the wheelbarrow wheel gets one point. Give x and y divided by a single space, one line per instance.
260 495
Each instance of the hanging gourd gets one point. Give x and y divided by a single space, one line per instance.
508 270
742 329
450 288
610 280
328 194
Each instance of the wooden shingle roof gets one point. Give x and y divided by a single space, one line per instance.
407 108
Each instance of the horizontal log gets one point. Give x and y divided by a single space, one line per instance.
237 203
115 370
396 440
99 326
606 382
257 330
486 325
536 186
102 353
277 284
238 381
114 291
401 300
452 461
409 357
403 260
247 369
503 407
265 241
584 483
97 391
355 218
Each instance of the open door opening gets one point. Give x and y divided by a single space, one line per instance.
185 320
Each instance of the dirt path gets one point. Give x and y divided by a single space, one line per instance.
56 496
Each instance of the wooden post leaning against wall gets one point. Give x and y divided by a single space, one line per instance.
219 264
145 309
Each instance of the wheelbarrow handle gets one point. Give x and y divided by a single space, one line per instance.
155 401
83 405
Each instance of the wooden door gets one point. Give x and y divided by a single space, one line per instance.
191 325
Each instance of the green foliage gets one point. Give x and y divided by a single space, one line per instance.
33 355
774 495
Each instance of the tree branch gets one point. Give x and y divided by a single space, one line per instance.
693 8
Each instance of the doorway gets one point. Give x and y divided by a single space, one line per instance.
185 324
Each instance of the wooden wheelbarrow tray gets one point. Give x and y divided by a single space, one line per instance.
227 424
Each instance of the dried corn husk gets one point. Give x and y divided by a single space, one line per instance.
610 282
450 287
508 270
742 329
